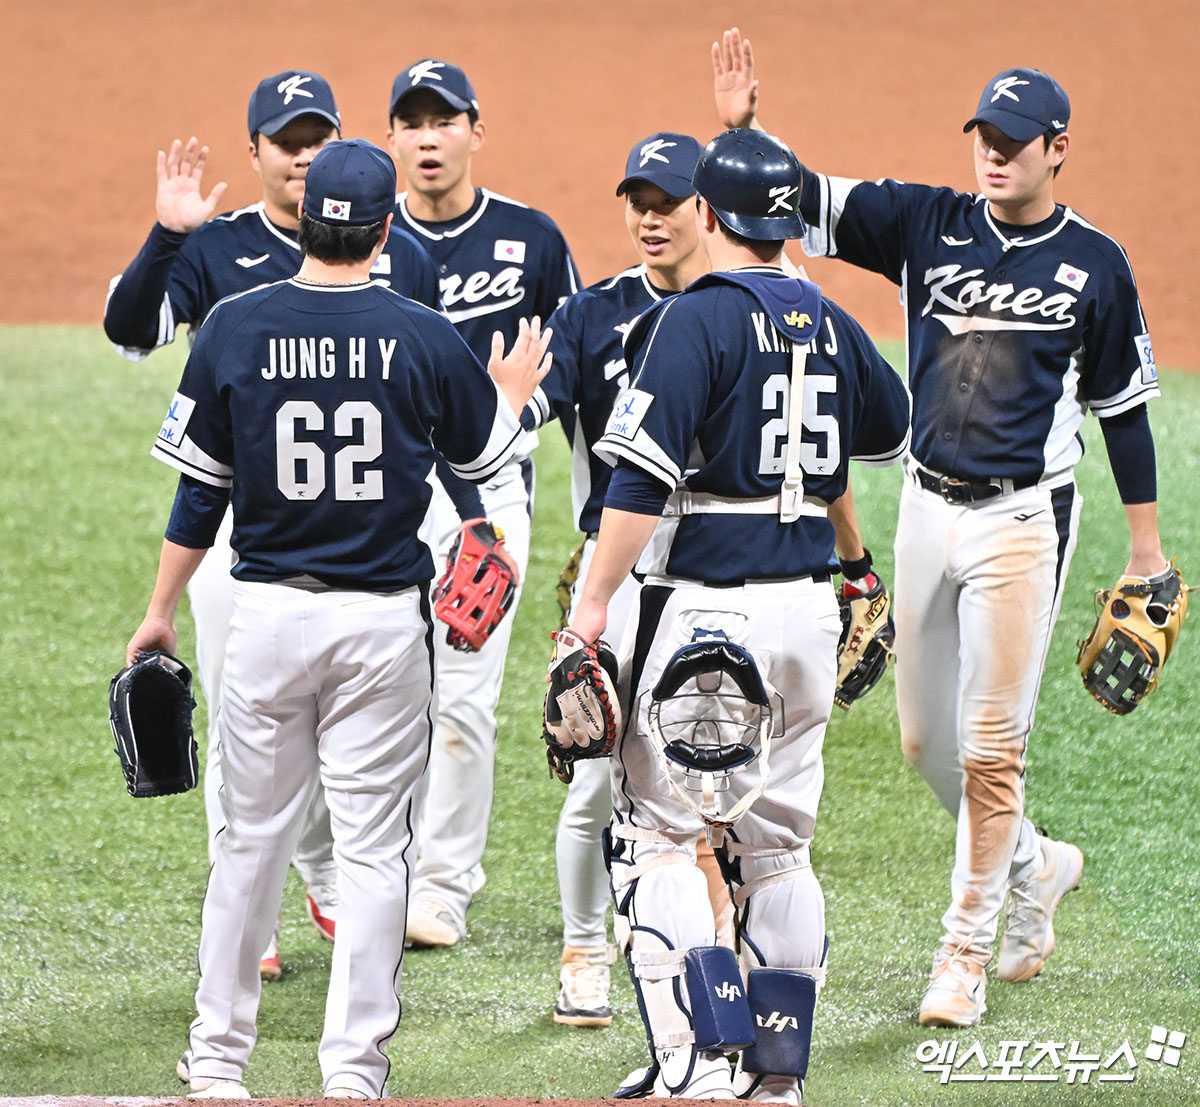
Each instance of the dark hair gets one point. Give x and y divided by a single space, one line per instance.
329 243
760 246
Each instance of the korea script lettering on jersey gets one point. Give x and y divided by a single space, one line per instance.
1013 332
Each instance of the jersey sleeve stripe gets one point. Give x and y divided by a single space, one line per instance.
643 453
188 458
506 434
883 460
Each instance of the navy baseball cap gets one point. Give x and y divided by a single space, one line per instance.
350 181
664 159
287 96
447 80
1023 103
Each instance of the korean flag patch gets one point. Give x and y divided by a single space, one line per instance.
335 209
508 249
1071 277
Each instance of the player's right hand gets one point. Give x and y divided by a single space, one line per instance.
518 373
178 202
734 86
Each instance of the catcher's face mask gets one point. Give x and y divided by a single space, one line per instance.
711 715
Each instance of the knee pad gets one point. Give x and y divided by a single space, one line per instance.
782 1002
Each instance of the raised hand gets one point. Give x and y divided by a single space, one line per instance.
734 86
518 373
178 202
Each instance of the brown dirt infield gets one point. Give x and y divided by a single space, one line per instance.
859 89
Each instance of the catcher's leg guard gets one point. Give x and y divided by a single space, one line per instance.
782 1002
689 991
781 929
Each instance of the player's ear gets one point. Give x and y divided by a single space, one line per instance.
387 229
478 134
254 153
1058 147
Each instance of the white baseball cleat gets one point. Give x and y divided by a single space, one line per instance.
218 1089
583 986
345 1093
324 923
955 996
1029 925
431 924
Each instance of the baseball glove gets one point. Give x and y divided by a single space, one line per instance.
478 586
868 634
566 582
582 716
150 711
1135 631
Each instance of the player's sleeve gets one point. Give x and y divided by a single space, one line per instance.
475 430
140 314
1118 370
882 416
1130 446
863 222
196 435
464 494
556 396
653 422
196 514
414 274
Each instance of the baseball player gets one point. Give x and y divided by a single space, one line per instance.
750 392
190 261
1021 316
589 373
498 262
316 404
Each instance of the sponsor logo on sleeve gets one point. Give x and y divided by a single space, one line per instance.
1071 277
1146 357
382 266
628 413
508 249
176 420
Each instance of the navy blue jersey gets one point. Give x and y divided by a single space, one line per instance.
322 407
177 278
588 374
1013 332
497 264
707 415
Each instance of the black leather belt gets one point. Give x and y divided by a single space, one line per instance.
959 492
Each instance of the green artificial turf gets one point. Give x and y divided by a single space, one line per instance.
101 893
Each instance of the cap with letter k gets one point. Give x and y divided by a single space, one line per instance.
1023 103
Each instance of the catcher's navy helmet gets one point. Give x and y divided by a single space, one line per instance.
752 182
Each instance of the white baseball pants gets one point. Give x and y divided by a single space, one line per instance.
321 689
978 589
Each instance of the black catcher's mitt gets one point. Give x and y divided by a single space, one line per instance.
1134 633
478 586
150 711
868 634
582 716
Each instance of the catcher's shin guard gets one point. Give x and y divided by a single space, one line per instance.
782 1002
690 996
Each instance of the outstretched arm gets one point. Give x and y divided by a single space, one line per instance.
518 373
